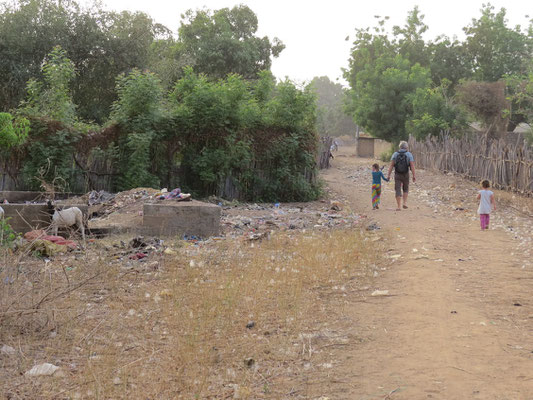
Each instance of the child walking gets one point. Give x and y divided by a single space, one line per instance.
377 175
486 204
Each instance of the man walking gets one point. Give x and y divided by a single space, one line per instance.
402 161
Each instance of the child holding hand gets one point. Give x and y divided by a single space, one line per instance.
377 176
486 204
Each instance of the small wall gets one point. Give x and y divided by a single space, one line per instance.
181 218
26 217
365 147
370 147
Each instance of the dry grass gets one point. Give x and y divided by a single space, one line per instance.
175 325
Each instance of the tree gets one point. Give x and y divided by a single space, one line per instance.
448 61
225 41
137 111
100 44
487 102
381 84
495 50
410 44
435 111
331 118
13 134
51 97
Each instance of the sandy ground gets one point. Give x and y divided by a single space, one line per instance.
457 322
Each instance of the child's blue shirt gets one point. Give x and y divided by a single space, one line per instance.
377 176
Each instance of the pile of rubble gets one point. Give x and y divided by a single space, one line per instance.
252 220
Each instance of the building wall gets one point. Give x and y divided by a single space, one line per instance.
365 147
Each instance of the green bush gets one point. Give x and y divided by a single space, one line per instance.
7 234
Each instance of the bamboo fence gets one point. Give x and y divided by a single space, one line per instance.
507 164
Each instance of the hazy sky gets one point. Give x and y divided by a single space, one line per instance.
314 32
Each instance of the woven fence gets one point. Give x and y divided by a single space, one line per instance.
507 164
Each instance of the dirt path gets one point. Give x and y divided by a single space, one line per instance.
458 320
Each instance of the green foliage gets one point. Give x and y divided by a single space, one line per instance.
49 155
137 111
385 96
448 61
101 44
410 43
435 112
495 50
7 235
51 98
224 41
13 133
382 93
387 155
257 137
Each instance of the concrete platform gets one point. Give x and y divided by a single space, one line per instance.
26 217
191 218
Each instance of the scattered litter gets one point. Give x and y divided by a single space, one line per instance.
45 369
249 362
250 324
380 293
138 256
373 227
7 350
99 197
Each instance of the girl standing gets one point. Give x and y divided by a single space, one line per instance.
486 204
377 175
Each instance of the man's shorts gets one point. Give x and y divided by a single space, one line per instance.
401 180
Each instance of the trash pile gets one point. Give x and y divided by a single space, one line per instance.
174 194
38 241
253 221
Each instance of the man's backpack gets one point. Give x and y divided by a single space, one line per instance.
401 164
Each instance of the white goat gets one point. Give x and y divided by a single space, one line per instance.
67 218
1 212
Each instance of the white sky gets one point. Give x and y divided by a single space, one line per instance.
314 32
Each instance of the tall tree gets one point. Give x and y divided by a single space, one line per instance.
411 44
225 41
101 45
382 82
494 49
331 117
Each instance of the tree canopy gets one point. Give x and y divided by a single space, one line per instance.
402 84
332 119
224 41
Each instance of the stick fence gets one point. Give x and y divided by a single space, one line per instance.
506 164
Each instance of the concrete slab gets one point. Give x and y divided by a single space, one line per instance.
191 218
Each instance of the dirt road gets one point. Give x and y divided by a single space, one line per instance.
458 320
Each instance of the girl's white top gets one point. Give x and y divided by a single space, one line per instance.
484 202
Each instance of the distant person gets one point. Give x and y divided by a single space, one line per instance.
377 176
402 161
486 204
